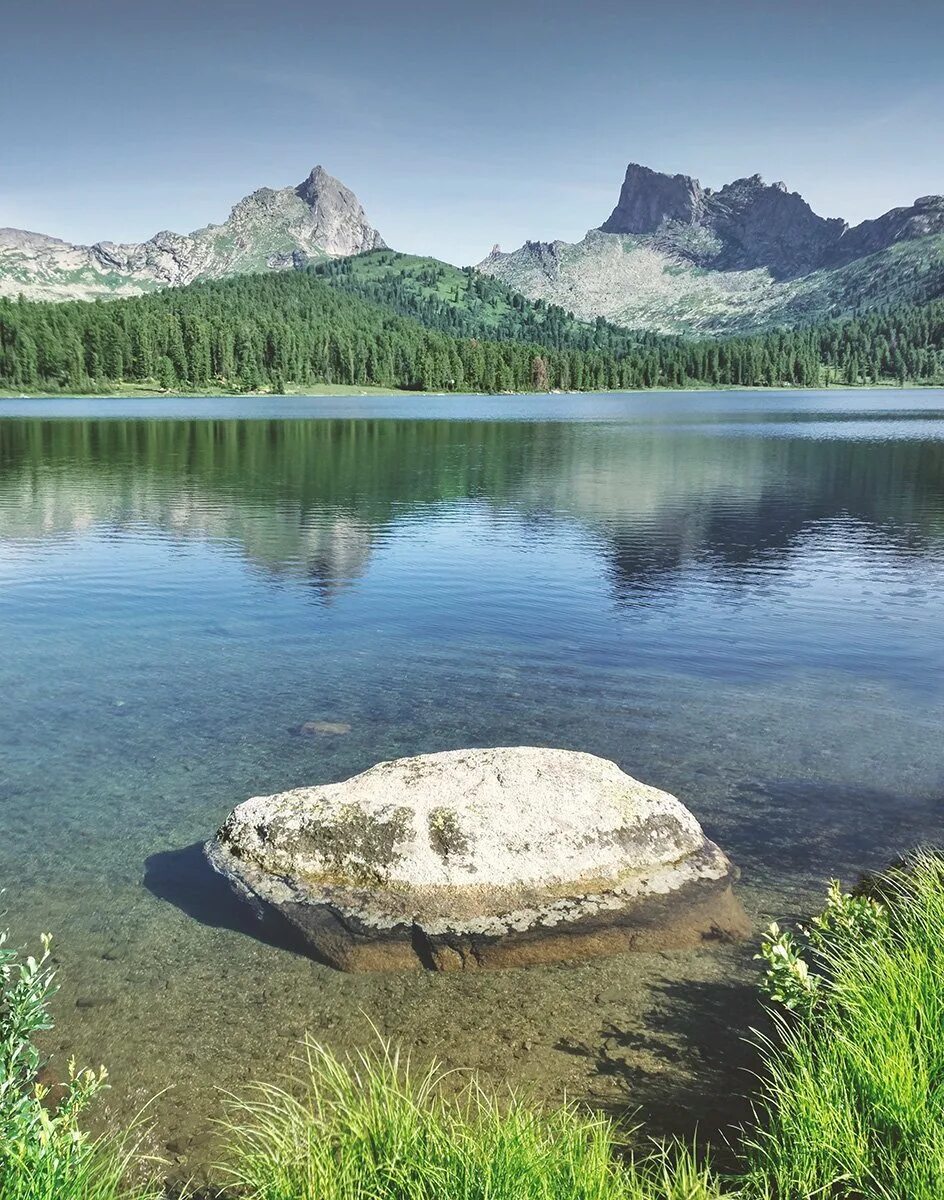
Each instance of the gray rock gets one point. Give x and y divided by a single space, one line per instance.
676 257
323 728
271 229
749 223
924 218
764 225
480 858
648 199
754 224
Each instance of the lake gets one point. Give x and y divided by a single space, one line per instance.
736 596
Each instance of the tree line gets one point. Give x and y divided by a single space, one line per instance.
268 331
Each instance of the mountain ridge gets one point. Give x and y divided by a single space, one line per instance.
269 229
676 257
672 257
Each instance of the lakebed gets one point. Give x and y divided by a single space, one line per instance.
735 596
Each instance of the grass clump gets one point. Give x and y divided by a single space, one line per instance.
852 1104
44 1152
372 1129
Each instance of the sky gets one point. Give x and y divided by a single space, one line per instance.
457 124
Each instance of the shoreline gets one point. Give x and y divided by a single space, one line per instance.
353 391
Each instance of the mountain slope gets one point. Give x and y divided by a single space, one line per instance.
462 302
678 258
270 229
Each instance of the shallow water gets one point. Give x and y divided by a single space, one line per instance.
737 596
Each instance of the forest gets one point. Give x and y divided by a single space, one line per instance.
271 331
466 303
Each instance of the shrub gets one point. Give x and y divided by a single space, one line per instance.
796 969
852 1104
44 1152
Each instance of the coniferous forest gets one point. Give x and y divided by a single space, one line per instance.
300 328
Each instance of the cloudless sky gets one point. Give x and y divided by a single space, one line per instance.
458 124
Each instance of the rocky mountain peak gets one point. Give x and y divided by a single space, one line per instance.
318 181
748 223
765 225
270 229
677 257
340 224
648 199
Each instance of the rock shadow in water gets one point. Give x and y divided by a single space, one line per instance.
690 1067
185 879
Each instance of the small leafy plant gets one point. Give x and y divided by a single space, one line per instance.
26 1120
788 980
797 970
44 1152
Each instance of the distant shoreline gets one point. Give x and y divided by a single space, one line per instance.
329 389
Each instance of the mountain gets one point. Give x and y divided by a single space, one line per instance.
271 229
465 303
672 257
675 257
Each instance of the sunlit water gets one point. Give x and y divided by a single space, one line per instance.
737 597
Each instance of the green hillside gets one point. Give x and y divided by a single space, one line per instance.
465 303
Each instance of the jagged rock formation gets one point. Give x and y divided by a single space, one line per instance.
922 219
649 198
271 229
747 224
480 858
676 257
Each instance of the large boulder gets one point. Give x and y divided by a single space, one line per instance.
481 858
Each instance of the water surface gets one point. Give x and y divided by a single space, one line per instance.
736 596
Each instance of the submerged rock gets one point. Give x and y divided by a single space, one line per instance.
322 728
481 858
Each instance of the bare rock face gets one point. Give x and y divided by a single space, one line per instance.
648 199
480 858
750 223
764 225
924 218
271 229
678 258
338 223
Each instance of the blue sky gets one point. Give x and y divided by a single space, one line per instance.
458 124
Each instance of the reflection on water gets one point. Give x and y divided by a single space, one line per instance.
735 599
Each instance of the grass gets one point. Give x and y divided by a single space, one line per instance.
852 1101
99 1172
372 1129
849 1106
